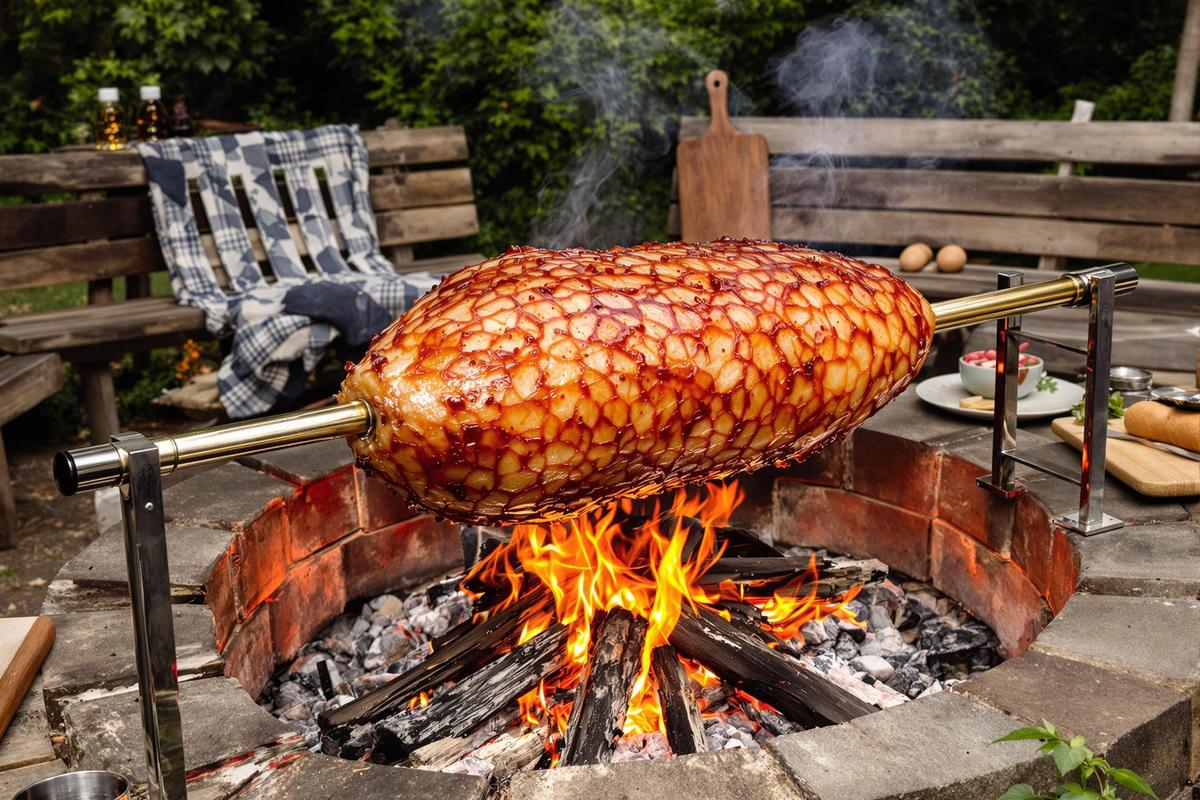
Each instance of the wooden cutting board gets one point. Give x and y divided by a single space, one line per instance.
1147 470
723 176
24 643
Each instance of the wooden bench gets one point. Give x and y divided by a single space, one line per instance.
25 381
872 186
421 190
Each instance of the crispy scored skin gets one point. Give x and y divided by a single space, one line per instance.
540 383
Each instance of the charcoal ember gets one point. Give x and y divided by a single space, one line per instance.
831 627
878 618
846 647
641 747
386 606
856 632
874 666
712 696
903 679
891 643
770 722
720 735
814 633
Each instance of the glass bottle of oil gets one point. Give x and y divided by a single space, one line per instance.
110 121
151 115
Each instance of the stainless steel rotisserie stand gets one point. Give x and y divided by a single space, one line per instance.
137 464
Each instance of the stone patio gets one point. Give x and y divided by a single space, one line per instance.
1103 634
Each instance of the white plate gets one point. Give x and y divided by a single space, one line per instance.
945 391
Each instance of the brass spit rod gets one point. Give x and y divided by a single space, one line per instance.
103 465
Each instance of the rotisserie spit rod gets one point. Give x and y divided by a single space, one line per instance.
538 383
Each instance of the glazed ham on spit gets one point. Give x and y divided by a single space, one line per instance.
537 384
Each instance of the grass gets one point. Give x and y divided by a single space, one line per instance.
1188 273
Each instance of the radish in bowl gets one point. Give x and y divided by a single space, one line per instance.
978 372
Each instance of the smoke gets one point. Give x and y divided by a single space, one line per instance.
629 121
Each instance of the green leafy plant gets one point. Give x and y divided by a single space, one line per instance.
1085 775
1116 407
1047 383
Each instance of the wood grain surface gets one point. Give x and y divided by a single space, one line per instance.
24 643
723 176
1145 469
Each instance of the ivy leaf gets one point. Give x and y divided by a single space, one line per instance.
1024 734
1019 791
1132 781
1084 794
1067 758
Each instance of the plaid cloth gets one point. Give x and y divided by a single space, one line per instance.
273 350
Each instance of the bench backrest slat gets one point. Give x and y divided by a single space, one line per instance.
1147 143
879 182
43 243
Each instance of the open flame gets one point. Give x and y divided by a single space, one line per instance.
651 568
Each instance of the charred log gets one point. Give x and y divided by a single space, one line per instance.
471 701
475 646
681 713
834 579
741 658
602 697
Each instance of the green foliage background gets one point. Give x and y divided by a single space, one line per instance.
570 107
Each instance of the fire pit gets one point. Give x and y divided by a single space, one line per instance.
278 546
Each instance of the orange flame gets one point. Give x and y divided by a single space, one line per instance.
591 565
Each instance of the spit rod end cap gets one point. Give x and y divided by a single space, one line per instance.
66 473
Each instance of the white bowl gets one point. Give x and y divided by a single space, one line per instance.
982 380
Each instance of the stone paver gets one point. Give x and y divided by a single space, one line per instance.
320 777
1135 723
1155 638
1143 560
99 570
14 780
227 497
729 774
303 464
94 651
27 739
937 748
219 720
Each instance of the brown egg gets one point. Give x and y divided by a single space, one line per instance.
914 257
951 258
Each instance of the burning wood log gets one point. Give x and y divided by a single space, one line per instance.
681 714
444 752
602 697
741 658
471 701
833 578
472 648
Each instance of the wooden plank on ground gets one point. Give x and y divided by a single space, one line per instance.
1159 143
78 171
1029 235
26 381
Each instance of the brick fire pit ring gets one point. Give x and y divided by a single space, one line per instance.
1103 634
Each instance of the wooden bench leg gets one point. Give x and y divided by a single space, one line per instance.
99 400
8 506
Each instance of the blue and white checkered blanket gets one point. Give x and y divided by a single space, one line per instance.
274 349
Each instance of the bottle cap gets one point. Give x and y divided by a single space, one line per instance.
108 94
151 93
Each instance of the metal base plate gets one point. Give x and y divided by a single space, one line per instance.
1071 522
1007 492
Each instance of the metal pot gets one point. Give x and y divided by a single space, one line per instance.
1133 383
86 785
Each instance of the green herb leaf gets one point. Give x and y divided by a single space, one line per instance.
1067 758
1024 734
1131 781
1020 791
1047 383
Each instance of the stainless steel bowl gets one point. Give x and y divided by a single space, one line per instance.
1133 383
1177 396
93 784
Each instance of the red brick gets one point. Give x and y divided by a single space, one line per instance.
313 594
250 657
895 470
1064 570
220 595
826 467
969 507
378 505
845 522
262 557
989 585
1031 541
400 556
321 513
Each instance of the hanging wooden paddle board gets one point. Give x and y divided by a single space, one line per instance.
723 176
